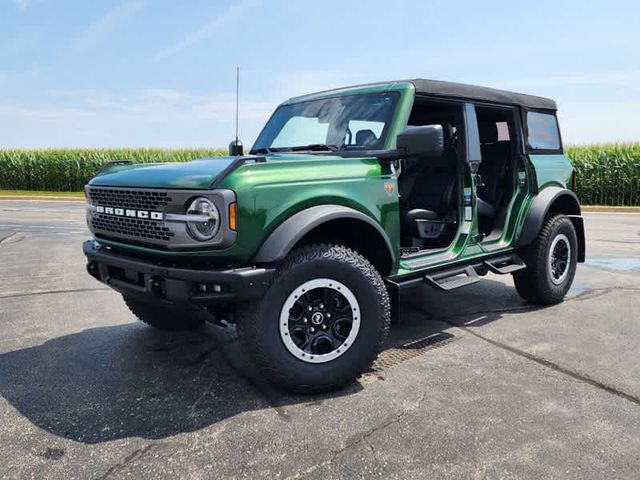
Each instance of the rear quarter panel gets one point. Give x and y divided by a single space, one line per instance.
551 170
545 170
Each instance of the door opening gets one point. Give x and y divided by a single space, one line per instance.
496 175
429 187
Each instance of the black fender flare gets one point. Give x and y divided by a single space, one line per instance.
539 210
288 233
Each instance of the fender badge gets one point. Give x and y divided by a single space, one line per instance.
388 186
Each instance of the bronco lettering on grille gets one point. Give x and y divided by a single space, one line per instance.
121 212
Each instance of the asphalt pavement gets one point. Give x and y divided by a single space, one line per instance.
473 383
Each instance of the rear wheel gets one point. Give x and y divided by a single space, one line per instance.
163 317
321 322
551 263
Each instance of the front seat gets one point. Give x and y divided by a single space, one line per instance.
366 138
431 223
429 195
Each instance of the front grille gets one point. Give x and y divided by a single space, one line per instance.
143 230
139 199
132 227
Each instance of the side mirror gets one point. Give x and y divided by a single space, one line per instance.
235 148
423 141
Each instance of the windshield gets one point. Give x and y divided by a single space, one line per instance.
351 122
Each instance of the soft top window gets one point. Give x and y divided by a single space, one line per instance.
543 133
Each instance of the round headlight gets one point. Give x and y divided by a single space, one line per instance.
208 225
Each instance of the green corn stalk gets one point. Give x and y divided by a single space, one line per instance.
608 174
68 170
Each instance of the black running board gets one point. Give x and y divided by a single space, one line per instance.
506 264
452 278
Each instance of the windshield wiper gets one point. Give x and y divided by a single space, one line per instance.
263 150
314 147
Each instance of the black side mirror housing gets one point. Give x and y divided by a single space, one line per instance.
423 141
235 148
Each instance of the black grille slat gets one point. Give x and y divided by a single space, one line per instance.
144 230
138 199
134 227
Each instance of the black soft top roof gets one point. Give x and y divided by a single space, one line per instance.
473 92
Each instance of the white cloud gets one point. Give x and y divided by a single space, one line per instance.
91 98
106 24
165 94
231 14
175 118
152 117
22 3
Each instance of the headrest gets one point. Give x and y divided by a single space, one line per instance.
488 132
366 137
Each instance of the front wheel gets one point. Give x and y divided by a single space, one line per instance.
321 322
551 263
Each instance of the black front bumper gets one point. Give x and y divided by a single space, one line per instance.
152 282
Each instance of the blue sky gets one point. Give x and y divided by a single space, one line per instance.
162 73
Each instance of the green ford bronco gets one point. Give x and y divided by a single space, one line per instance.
347 198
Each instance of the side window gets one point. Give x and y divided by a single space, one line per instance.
301 131
543 131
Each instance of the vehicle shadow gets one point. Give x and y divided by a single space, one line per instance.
128 380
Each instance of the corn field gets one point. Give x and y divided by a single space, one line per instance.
69 170
608 174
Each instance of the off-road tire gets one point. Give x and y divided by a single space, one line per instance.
534 284
163 318
258 323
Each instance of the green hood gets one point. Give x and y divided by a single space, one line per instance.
197 174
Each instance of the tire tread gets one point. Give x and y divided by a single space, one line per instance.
531 283
248 326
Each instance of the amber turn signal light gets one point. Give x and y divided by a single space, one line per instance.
233 215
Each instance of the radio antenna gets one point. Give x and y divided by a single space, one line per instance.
237 99
235 147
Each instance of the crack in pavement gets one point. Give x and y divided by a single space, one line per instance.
586 295
361 438
253 382
599 292
54 292
552 365
133 456
8 237
223 346
632 242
